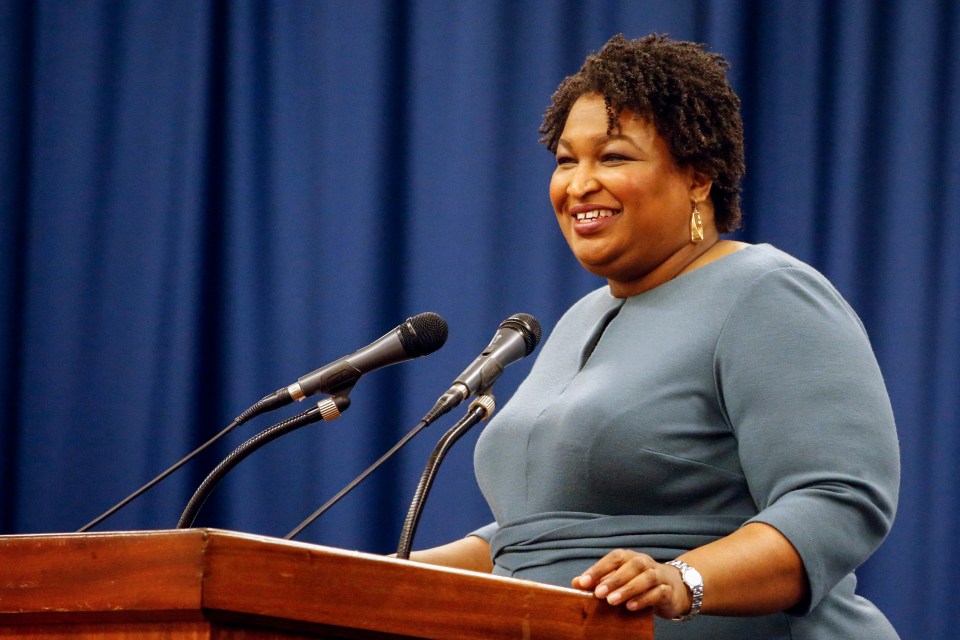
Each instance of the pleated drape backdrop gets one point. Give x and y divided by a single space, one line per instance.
203 201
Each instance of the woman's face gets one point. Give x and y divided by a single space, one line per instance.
622 202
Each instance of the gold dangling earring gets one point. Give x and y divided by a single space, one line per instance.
696 225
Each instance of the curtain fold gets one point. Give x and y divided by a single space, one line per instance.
202 201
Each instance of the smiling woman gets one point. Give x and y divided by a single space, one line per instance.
709 435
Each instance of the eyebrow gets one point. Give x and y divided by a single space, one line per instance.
601 139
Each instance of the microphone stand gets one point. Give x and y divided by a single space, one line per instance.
425 422
360 478
327 409
480 409
265 404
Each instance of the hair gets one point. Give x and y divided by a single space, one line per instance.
684 90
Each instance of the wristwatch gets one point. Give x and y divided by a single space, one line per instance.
694 581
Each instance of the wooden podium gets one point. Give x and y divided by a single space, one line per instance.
210 584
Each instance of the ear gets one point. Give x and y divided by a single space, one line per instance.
700 185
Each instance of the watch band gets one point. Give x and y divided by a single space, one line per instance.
694 581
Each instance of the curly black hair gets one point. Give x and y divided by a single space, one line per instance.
684 90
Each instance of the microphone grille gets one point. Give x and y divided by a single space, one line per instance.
528 327
422 334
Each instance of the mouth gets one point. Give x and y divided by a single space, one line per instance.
594 214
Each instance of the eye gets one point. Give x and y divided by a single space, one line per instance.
565 160
614 158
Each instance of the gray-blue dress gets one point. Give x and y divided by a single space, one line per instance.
743 391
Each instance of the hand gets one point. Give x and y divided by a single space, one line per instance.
638 580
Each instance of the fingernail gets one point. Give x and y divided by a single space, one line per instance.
633 605
584 580
614 598
601 591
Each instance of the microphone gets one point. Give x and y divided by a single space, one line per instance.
418 336
516 338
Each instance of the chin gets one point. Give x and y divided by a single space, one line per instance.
601 269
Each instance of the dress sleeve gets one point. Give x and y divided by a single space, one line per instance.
485 532
801 389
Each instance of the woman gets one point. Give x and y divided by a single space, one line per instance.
709 435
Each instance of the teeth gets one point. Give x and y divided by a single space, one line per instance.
596 213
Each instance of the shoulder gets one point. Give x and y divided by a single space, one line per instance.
784 314
768 283
755 261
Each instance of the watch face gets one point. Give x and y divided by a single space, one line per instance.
692 578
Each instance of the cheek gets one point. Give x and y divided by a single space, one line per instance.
558 192
649 198
633 188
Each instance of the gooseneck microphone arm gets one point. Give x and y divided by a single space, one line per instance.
480 409
328 409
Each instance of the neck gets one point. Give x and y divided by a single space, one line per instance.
691 256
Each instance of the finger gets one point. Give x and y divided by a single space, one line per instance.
658 598
602 568
635 587
665 596
637 574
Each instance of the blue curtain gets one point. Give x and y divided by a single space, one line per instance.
202 201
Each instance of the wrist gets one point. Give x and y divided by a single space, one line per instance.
693 582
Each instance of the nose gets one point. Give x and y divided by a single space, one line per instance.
582 182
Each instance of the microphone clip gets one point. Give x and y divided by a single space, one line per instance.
333 407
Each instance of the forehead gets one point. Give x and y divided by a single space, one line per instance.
589 118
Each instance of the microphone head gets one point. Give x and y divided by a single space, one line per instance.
527 326
423 334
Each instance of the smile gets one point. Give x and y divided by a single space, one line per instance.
596 213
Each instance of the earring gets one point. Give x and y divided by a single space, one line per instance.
696 225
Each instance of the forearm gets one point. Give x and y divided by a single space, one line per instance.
471 553
753 571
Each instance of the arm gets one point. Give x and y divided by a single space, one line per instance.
471 553
753 571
